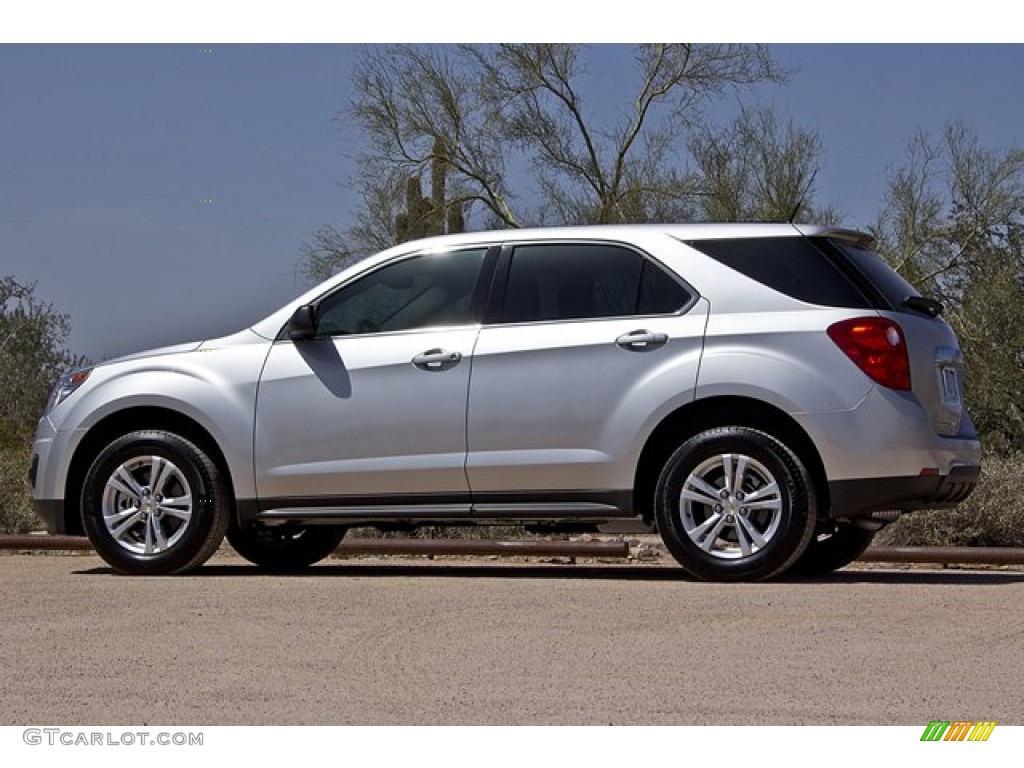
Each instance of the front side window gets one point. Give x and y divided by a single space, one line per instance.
430 290
580 280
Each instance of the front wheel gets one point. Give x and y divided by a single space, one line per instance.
154 503
285 547
735 504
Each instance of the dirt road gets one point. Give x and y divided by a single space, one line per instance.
420 642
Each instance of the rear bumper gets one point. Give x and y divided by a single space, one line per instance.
888 435
861 497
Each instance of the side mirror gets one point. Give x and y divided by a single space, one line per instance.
302 325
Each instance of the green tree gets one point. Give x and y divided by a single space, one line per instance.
32 357
953 224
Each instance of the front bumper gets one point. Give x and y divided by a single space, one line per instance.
861 497
48 476
52 513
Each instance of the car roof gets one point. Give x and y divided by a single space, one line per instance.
701 231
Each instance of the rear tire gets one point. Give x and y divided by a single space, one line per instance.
735 504
154 503
829 551
285 547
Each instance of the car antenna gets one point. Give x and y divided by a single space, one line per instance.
803 194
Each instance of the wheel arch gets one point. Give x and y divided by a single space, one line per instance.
113 426
721 411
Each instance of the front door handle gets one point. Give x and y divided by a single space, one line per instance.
641 341
436 360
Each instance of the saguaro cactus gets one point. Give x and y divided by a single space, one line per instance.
433 215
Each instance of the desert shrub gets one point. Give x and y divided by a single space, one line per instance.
16 515
32 356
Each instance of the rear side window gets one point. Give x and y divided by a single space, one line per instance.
579 280
887 281
790 265
660 294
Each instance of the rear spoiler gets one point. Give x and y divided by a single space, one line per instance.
863 239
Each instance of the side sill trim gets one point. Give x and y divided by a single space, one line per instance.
597 506
546 511
370 511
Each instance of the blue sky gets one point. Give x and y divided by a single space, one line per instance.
108 152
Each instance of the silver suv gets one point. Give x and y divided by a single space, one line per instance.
764 396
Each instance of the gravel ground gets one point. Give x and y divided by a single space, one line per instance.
416 641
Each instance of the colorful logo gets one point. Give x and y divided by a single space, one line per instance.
958 730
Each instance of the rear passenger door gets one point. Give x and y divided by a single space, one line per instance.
583 344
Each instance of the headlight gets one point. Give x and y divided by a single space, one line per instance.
66 386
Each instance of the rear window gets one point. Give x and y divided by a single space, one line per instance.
886 280
790 265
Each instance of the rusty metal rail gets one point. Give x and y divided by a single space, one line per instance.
945 555
610 549
478 547
35 542
467 547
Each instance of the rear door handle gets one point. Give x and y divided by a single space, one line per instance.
641 341
436 360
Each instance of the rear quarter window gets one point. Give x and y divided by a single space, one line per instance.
883 278
790 265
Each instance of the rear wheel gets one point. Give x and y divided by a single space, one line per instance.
285 547
840 544
735 504
154 503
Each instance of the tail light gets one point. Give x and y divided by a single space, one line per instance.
878 348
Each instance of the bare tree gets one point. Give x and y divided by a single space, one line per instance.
604 171
487 112
329 249
758 170
412 102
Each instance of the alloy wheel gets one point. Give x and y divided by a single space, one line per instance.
731 506
147 504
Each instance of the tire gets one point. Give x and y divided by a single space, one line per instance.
830 550
753 530
286 547
154 503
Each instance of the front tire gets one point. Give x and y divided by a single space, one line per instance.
285 547
735 504
154 503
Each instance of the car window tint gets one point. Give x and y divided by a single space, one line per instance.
659 292
790 265
419 292
887 281
577 280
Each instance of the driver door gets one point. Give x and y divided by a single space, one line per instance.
372 411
